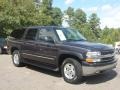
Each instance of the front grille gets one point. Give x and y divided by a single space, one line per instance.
107 52
108 59
110 54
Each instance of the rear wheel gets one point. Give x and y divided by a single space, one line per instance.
71 71
17 58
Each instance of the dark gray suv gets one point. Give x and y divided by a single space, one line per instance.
60 49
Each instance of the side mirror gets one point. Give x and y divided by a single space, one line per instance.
49 39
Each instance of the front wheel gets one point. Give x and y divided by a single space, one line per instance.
16 58
71 71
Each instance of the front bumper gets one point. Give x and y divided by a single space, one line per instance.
92 69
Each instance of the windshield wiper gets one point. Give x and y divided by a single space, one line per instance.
74 40
81 40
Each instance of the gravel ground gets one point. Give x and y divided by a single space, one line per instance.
33 78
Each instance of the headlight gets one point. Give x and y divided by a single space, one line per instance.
93 57
5 47
93 54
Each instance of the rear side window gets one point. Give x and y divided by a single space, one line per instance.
31 34
18 33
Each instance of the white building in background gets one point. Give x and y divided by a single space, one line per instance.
37 3
64 22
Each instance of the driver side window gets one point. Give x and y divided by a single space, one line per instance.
46 35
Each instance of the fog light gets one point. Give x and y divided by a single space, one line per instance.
90 60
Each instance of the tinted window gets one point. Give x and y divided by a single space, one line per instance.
18 33
2 41
31 34
44 33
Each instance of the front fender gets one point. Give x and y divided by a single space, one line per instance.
62 52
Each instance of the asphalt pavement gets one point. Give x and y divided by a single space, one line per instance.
33 78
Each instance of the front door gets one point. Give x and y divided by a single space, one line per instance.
47 50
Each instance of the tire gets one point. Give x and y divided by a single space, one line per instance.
0 50
16 58
71 71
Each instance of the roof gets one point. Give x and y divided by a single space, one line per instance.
44 26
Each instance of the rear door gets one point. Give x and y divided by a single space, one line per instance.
15 39
29 44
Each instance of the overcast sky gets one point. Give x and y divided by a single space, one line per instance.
107 10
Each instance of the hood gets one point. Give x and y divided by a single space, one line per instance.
89 45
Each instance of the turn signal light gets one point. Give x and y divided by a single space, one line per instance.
89 60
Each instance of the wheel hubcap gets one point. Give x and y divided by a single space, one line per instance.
16 58
69 71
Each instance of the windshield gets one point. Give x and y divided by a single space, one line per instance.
66 34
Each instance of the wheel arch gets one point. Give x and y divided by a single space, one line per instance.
63 56
13 49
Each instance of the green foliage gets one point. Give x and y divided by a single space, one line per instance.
94 23
110 35
87 32
46 7
15 14
90 27
57 16
22 13
77 18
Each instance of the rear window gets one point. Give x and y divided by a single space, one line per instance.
2 40
31 34
18 33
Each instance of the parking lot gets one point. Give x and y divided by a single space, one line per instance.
33 78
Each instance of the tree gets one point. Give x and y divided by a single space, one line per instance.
77 18
52 14
110 35
94 23
80 16
22 13
46 7
57 16
86 31
19 13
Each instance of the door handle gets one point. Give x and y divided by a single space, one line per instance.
49 45
40 49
